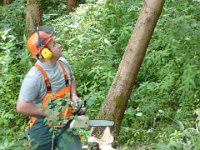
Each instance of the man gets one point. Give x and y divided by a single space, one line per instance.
49 81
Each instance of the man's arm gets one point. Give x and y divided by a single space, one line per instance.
30 109
73 90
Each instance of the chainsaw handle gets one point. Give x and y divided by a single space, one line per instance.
79 106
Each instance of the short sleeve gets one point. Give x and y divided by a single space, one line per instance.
30 86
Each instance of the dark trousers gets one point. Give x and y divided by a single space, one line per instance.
41 138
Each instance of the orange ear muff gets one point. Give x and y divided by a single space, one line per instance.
46 53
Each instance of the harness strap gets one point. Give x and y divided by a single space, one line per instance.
56 95
31 122
46 79
65 73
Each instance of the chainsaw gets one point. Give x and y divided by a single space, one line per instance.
81 120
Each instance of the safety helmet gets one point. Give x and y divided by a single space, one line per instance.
40 39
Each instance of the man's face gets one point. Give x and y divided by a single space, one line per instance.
55 49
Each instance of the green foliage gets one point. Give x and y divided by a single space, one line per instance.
11 75
51 9
12 17
11 72
182 139
161 110
168 81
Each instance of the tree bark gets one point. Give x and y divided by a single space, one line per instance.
33 16
6 2
71 5
117 98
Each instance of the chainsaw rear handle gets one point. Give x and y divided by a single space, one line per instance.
69 111
79 106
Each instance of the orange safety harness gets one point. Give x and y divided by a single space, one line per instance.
64 92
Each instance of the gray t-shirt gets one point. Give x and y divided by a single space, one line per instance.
33 87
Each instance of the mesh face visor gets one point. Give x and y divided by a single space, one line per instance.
45 34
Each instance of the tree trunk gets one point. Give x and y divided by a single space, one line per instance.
117 98
6 2
33 16
71 5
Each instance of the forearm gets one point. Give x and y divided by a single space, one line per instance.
74 95
30 109
73 87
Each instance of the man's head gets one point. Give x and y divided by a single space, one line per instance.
42 44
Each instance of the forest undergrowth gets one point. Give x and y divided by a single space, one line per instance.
163 107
